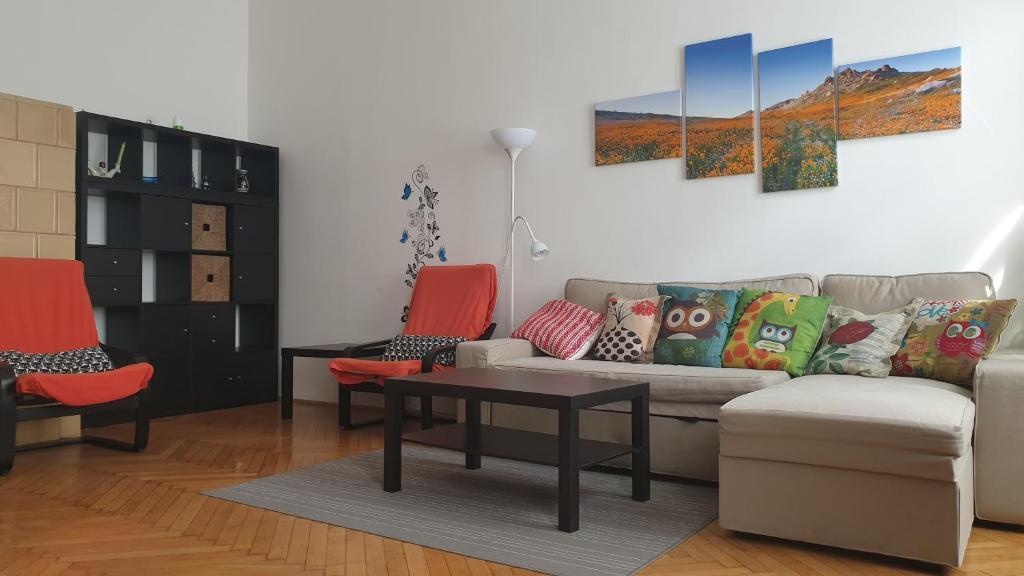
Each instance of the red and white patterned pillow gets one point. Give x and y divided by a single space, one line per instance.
562 329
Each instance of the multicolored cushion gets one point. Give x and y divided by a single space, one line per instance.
861 344
562 329
413 347
630 329
79 361
948 338
777 331
694 325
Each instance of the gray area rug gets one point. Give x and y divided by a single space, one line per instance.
506 512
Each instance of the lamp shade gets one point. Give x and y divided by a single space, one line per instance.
539 251
514 138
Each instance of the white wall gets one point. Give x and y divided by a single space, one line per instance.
358 94
132 59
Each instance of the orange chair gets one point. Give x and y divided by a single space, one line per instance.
446 301
45 308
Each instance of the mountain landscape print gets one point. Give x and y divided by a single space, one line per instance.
719 94
913 93
798 117
641 128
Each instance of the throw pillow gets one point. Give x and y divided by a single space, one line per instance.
562 329
630 329
861 344
78 361
777 332
694 325
413 347
948 338
747 297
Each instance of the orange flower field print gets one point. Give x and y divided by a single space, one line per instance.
719 95
641 128
913 93
798 117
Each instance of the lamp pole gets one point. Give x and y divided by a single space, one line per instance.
513 153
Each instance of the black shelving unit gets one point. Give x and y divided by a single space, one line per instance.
135 239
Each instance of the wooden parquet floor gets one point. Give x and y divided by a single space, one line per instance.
83 510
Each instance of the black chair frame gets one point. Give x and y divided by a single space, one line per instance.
16 408
375 349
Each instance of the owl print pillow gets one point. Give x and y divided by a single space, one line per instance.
694 325
948 337
777 331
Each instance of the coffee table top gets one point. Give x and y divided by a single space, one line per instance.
519 387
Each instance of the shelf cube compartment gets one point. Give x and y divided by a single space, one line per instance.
105 140
255 329
112 219
218 163
172 160
119 326
261 166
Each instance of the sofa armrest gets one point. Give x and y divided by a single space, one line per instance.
483 353
998 435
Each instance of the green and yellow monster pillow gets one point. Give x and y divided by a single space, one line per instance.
776 331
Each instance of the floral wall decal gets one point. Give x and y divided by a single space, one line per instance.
422 232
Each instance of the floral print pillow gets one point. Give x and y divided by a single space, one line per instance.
861 344
630 329
948 337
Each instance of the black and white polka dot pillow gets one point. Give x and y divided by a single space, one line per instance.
619 345
80 361
412 347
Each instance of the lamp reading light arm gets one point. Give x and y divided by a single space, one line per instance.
511 231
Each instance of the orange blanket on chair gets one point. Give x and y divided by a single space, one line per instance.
446 301
45 308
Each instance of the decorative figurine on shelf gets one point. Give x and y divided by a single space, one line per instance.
177 125
242 181
206 184
100 168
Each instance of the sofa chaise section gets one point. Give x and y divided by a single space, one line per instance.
877 464
883 465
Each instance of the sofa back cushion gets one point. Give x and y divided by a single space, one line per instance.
593 294
877 294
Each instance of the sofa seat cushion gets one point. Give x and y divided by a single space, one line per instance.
906 426
670 384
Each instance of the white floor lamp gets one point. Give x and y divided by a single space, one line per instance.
514 141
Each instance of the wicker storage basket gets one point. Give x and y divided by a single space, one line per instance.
211 278
209 227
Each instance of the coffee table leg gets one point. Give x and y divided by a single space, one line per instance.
393 405
568 469
641 449
472 434
286 385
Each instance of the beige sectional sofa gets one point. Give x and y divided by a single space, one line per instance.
878 464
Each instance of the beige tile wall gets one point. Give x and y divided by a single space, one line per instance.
37 203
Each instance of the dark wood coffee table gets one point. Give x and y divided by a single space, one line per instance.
566 393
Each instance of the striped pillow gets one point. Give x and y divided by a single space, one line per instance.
562 329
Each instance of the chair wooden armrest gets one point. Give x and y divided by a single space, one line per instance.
121 358
375 348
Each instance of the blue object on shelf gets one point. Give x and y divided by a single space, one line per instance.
150 179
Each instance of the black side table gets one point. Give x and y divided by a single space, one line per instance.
289 354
